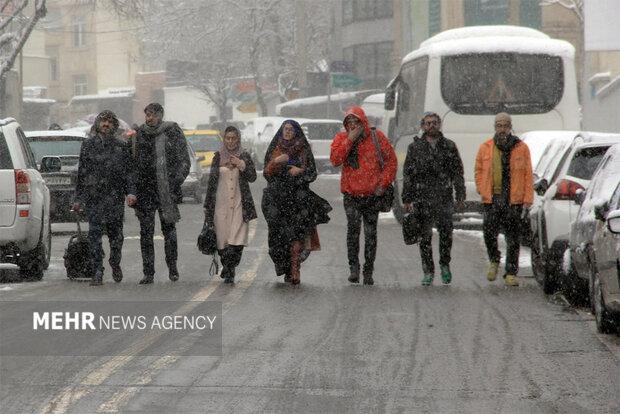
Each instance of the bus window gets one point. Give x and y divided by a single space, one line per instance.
411 94
484 84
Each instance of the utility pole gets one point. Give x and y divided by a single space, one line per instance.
300 45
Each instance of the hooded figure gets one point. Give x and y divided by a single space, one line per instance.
105 177
362 180
504 181
291 209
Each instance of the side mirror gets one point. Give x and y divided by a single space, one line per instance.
200 158
580 195
50 164
613 221
541 186
600 211
390 99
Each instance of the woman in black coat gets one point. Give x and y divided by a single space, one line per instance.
291 209
228 204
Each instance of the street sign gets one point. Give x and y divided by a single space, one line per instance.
345 80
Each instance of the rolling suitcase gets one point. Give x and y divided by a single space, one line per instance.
77 255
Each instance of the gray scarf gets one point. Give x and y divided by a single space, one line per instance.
169 210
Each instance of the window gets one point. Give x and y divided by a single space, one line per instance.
80 85
486 12
488 83
28 155
54 68
585 162
360 10
411 94
371 62
530 14
615 199
78 29
6 163
434 17
54 146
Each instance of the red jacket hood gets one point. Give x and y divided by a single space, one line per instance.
359 113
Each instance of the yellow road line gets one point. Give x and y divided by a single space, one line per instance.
73 393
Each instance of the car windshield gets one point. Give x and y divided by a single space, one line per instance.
585 161
55 146
204 142
322 131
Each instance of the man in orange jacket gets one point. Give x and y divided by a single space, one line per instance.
361 182
503 175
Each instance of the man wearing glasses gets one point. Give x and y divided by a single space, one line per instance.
503 175
432 174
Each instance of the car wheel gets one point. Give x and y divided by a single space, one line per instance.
537 262
574 288
548 270
48 247
32 264
604 320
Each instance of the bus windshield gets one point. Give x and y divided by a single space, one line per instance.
488 83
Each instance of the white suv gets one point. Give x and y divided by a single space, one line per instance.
25 229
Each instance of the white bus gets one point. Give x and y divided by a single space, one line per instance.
468 75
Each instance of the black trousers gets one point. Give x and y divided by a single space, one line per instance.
439 216
500 215
231 256
147 230
360 209
114 229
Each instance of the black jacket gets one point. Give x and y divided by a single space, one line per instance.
246 177
105 177
177 165
432 175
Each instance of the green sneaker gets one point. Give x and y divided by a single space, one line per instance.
446 274
427 280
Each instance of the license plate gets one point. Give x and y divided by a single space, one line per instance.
58 180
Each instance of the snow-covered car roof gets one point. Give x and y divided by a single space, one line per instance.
317 121
491 39
375 98
539 142
56 133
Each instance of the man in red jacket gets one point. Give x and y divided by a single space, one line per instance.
361 182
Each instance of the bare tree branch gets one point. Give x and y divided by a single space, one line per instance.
576 6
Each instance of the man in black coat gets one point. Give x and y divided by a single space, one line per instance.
432 173
162 163
105 177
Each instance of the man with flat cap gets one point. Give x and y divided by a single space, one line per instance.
503 175
162 163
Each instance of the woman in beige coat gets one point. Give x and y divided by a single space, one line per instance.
228 204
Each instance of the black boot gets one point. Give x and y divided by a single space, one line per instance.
230 277
146 280
117 273
173 272
354 277
97 279
224 273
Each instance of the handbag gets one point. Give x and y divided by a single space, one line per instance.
412 230
207 244
385 201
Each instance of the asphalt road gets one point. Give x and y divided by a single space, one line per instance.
326 345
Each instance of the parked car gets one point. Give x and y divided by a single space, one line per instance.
195 184
596 202
557 208
320 133
66 146
204 142
604 275
25 228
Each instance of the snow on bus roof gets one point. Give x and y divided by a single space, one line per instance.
492 40
375 98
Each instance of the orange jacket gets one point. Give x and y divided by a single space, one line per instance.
521 180
364 180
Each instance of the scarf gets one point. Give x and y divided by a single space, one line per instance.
506 146
169 210
225 154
